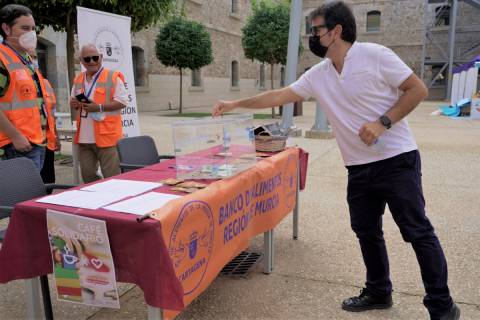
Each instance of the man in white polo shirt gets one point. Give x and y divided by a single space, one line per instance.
366 92
99 118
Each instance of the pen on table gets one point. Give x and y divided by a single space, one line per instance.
151 215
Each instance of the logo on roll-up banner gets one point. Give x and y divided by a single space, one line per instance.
191 244
108 46
108 43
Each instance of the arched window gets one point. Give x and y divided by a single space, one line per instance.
373 21
42 56
234 74
234 6
442 15
196 78
139 72
262 76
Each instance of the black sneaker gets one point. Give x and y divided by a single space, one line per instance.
453 314
367 301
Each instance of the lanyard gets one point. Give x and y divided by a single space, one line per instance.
93 83
27 63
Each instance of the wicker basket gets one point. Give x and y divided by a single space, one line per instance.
264 142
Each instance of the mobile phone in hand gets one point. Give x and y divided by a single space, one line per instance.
82 98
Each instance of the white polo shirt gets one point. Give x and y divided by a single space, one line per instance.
365 90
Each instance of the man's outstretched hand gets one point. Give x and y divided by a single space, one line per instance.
222 107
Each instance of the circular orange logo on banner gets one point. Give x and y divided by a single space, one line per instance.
289 181
191 244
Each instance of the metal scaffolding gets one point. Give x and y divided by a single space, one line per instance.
446 10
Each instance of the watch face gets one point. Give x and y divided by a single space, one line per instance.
386 121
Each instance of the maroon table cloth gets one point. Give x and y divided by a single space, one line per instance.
138 249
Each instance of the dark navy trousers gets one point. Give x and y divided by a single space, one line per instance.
397 182
36 154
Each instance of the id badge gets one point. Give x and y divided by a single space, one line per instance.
83 113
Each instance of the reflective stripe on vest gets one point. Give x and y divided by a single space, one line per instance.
110 84
16 104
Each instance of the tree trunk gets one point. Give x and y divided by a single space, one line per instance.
70 62
271 86
180 107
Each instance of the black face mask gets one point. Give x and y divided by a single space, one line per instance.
316 47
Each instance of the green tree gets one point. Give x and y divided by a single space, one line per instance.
265 35
62 16
184 44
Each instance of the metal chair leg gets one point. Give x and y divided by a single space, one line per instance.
268 250
34 308
47 302
154 313
296 210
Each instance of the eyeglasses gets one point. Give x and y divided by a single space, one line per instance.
315 29
88 59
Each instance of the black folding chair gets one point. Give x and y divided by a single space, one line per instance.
138 152
23 182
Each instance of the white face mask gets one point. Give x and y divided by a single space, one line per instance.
35 63
28 40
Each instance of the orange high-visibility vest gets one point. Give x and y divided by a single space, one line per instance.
108 131
50 101
20 103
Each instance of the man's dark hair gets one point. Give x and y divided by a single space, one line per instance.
10 12
337 12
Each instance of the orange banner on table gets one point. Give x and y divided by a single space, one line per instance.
206 230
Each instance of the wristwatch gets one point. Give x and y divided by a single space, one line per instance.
385 121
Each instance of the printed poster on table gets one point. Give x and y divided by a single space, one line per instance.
82 261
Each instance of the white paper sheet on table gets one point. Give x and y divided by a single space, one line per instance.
142 204
82 199
127 188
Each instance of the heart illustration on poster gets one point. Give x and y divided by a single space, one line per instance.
97 263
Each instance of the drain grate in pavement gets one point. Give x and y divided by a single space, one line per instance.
241 264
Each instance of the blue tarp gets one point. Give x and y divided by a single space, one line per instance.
466 66
454 111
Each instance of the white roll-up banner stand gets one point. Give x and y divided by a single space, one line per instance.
110 33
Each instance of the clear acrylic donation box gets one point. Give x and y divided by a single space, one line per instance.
208 148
